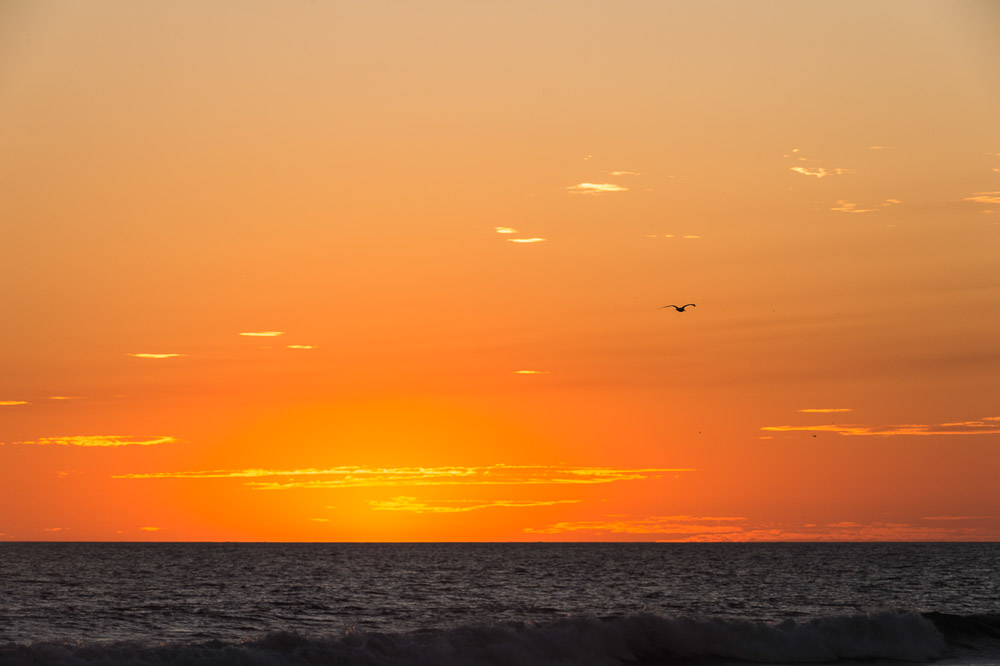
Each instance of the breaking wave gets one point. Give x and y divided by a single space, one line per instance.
641 639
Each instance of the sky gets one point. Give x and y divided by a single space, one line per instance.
395 271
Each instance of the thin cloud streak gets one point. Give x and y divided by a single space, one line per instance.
413 505
155 355
596 188
505 230
651 525
984 197
844 206
979 427
956 517
532 372
847 532
826 410
13 403
382 477
525 240
300 346
102 441
262 334
820 172
742 530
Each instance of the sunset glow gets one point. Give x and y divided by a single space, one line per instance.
374 271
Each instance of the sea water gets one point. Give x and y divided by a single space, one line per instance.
517 604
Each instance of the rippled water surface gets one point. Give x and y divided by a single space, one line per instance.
156 592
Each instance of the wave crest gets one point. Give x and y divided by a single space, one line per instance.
578 641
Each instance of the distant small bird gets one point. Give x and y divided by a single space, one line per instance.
679 308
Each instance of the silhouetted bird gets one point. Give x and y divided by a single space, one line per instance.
679 308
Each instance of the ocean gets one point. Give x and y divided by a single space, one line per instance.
498 604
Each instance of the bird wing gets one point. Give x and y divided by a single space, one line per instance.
690 305
669 306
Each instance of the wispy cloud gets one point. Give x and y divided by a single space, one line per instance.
65 397
150 529
505 230
155 355
850 531
381 477
97 440
653 525
825 410
301 346
623 173
980 427
820 172
532 372
879 147
13 403
526 240
596 188
263 334
52 529
413 505
844 206
956 517
984 197
738 529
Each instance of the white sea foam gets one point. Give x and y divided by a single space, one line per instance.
575 641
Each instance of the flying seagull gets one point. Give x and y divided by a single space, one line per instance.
679 308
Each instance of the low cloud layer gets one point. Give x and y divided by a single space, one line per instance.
413 505
382 477
652 525
987 426
727 529
97 441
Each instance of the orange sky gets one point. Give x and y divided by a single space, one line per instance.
386 271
